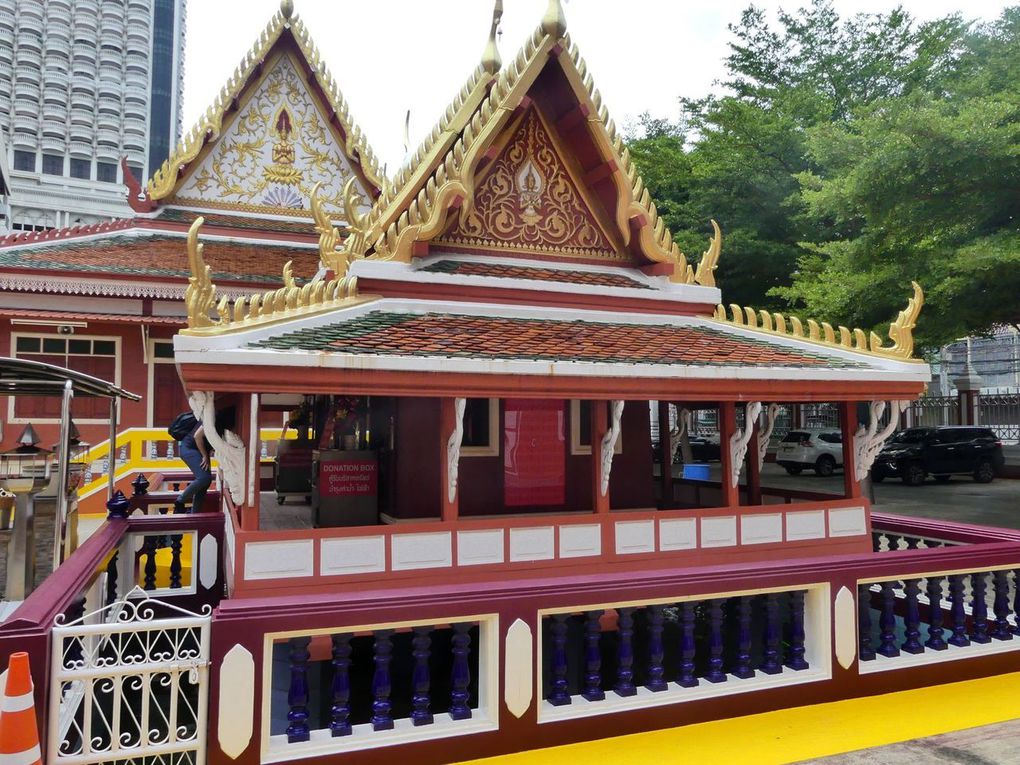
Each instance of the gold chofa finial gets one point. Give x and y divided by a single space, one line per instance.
287 8
201 292
491 62
705 275
554 23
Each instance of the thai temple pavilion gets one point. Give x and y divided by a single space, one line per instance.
494 557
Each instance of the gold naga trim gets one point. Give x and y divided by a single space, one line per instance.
398 220
164 180
901 331
334 252
288 302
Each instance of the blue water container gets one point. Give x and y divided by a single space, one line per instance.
696 472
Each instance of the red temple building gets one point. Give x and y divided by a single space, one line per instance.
498 554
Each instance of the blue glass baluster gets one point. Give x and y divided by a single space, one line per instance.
772 660
460 677
687 646
887 622
935 640
381 685
593 657
715 672
795 659
175 561
340 710
558 694
866 649
297 694
656 652
979 608
420 678
894 542
876 541
1001 629
912 620
149 550
743 664
625 653
959 637
912 542
1016 601
111 577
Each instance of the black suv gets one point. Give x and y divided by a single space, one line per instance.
915 453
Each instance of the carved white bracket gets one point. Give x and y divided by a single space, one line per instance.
676 434
741 438
868 440
771 412
453 448
609 443
230 451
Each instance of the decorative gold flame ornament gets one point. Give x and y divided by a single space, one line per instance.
491 61
201 292
705 275
901 331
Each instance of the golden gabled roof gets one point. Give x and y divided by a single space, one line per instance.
443 168
164 180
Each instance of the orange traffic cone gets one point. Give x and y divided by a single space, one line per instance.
19 735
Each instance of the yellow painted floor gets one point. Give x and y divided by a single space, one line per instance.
792 735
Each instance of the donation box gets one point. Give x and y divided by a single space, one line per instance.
346 488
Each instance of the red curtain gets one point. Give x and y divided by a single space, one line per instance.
534 451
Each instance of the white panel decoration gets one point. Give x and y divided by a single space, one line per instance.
532 544
453 448
278 560
430 550
609 443
759 529
678 534
719 532
846 628
807 524
740 438
354 555
208 557
237 708
847 522
518 668
580 541
771 412
635 537
475 548
869 440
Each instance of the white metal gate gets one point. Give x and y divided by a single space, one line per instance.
129 685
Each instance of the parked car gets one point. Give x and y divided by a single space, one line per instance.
915 453
703 449
818 449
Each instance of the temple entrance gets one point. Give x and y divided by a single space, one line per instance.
534 462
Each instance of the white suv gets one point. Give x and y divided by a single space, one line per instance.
820 449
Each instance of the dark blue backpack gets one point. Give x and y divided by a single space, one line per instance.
183 426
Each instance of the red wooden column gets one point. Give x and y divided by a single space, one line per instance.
753 469
666 455
599 426
848 424
727 425
447 424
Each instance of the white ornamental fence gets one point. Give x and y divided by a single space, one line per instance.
129 684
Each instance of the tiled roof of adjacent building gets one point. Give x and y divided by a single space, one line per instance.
240 222
487 337
163 255
502 270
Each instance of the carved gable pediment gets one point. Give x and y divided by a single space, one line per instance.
529 200
276 148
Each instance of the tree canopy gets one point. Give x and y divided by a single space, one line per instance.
844 158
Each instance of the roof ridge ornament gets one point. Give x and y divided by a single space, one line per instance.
287 9
901 331
705 275
491 61
554 23
334 253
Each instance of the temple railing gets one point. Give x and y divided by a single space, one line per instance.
639 647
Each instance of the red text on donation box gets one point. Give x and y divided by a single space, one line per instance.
358 478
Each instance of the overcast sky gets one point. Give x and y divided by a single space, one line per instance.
389 56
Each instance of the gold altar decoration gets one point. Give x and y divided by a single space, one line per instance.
287 302
900 331
164 181
442 170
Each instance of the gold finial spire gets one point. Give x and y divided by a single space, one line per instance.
554 23
287 8
491 62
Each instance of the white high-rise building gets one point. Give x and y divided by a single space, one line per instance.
82 84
